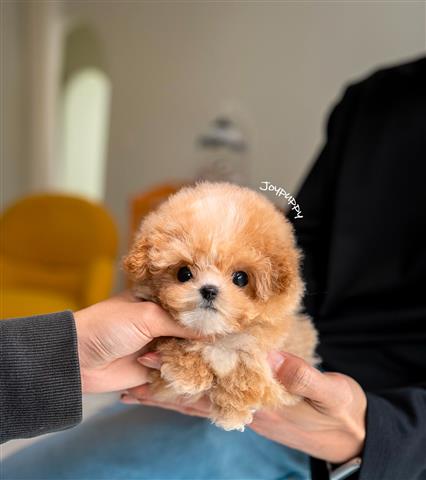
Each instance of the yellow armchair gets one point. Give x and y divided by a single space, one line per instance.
57 252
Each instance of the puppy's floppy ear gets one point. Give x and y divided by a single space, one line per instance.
280 274
136 262
272 277
285 275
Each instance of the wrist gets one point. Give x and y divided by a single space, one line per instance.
82 347
356 431
358 441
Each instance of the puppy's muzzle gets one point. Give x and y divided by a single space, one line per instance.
209 292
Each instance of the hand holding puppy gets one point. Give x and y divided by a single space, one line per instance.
328 424
112 334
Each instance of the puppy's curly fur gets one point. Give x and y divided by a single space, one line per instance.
201 237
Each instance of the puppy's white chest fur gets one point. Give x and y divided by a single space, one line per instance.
224 354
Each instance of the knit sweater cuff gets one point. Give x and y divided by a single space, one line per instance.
40 387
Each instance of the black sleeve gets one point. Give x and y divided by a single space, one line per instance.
40 388
317 196
395 446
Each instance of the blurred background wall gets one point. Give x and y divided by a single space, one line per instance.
172 67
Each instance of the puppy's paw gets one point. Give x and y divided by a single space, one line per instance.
233 421
182 382
288 399
183 371
275 395
159 389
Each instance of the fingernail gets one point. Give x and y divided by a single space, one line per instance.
275 359
127 399
142 392
150 360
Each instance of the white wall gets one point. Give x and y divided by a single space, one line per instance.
13 127
174 66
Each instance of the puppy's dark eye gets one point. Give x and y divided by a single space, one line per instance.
240 279
184 274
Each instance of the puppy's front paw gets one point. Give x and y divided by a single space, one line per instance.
289 400
183 381
275 395
183 371
233 421
165 387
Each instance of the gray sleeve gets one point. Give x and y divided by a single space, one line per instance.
40 387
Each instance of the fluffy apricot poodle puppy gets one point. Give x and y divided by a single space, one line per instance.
222 260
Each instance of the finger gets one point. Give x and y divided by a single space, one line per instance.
140 392
143 393
201 406
156 322
176 407
112 378
151 360
184 409
129 400
300 378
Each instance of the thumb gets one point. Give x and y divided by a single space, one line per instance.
300 378
156 322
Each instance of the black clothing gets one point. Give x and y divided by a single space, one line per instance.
364 236
363 233
40 388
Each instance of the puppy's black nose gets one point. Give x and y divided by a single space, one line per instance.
209 292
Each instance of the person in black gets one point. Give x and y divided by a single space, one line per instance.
363 233
364 238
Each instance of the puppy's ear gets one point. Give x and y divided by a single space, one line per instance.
279 275
271 278
285 274
136 262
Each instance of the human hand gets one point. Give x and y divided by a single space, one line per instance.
111 336
329 422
